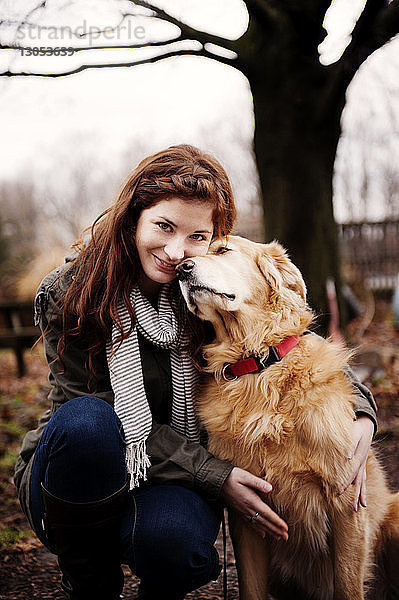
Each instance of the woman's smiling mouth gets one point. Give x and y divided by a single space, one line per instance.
161 264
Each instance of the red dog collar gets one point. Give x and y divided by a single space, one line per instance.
253 364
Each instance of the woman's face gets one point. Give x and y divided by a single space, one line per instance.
169 232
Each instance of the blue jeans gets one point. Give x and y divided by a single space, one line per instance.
167 533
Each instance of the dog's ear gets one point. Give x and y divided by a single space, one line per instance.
280 271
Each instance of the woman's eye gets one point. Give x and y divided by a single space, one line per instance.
198 237
164 226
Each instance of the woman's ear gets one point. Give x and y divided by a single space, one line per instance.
280 271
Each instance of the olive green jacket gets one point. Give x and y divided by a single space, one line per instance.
173 458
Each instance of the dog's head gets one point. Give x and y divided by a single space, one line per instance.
257 283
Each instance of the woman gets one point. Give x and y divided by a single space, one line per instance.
118 338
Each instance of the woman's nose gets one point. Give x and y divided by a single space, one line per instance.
174 250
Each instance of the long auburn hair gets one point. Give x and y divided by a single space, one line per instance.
108 266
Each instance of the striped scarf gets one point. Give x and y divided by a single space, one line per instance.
161 329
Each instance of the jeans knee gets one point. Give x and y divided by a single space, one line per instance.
202 566
83 419
81 448
85 408
177 560
191 568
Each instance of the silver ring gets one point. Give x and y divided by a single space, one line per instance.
224 373
255 516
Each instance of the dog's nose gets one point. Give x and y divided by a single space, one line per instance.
184 269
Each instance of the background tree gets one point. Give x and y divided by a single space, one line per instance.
366 188
297 104
18 233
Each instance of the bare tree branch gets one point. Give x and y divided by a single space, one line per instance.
187 31
367 36
153 59
99 31
124 15
266 13
113 47
293 18
387 25
377 24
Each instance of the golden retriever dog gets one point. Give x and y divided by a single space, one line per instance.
290 423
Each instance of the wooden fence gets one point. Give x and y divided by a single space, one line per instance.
372 250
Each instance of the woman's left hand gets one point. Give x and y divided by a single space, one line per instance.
363 430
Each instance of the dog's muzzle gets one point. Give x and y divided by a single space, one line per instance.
184 270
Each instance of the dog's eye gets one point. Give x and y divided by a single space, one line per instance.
222 250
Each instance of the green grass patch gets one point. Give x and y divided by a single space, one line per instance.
15 401
12 428
9 536
7 461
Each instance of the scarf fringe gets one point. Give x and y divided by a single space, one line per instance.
137 461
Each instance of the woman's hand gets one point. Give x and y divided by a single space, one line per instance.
363 430
241 493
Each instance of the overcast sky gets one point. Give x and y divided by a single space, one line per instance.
108 118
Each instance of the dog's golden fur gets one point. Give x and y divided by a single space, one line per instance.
291 424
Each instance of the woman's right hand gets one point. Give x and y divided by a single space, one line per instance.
241 492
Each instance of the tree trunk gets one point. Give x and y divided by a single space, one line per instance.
296 181
295 145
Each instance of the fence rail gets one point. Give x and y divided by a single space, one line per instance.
373 250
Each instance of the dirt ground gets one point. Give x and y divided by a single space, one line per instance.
28 571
